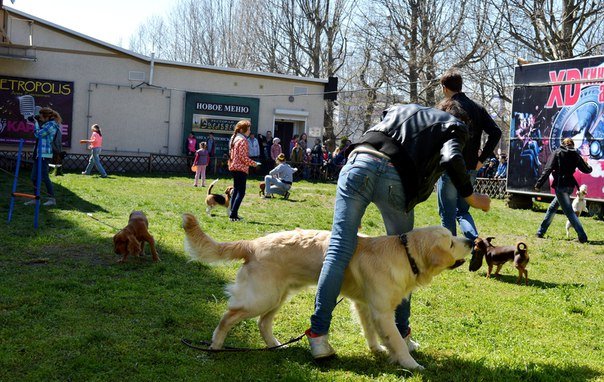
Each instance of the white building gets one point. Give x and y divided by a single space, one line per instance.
142 105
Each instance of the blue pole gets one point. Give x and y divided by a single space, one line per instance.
12 199
38 182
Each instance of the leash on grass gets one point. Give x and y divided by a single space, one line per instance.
228 349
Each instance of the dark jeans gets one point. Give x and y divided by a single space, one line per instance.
239 181
45 177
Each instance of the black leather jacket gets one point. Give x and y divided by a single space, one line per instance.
562 163
480 121
422 143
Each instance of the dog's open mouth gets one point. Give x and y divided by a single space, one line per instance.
457 264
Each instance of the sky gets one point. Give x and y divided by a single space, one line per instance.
112 21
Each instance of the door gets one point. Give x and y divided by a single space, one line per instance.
284 131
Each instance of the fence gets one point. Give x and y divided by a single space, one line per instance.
160 163
495 188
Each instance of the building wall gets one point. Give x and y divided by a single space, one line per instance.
140 118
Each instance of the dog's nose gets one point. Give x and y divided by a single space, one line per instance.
457 263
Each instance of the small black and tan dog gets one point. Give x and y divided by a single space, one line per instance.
213 200
499 256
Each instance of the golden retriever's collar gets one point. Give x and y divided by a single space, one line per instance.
412 262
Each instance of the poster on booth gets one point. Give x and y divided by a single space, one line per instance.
58 95
553 101
217 114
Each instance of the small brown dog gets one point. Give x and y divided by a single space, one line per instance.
262 186
499 256
213 200
131 239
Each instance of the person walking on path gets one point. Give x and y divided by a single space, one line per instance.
95 145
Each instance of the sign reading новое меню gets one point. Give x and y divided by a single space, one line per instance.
222 108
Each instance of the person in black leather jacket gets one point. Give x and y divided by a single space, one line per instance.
394 165
562 164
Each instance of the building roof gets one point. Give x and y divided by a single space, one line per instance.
156 61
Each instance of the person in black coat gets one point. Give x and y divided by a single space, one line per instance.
562 165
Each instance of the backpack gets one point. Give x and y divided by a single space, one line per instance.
57 141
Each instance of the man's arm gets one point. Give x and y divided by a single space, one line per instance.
549 167
493 131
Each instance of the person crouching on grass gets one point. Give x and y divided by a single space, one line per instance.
279 180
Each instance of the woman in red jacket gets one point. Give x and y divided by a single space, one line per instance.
239 164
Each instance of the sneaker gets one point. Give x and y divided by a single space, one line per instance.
236 219
286 196
84 173
583 240
104 176
412 345
30 202
539 235
319 345
51 202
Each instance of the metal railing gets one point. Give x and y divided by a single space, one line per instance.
495 188
161 163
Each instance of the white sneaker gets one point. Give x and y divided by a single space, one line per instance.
30 202
319 346
50 202
412 345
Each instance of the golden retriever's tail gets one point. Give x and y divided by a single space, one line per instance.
201 247
212 185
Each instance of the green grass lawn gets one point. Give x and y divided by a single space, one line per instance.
69 312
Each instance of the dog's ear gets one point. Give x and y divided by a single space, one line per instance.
440 258
488 239
134 246
119 242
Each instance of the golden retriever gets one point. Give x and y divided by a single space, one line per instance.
377 279
131 239
213 200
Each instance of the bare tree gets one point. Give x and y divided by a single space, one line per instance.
555 29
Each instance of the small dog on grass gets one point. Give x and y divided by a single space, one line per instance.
499 256
579 205
262 186
213 200
131 239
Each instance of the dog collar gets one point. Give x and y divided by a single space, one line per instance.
412 262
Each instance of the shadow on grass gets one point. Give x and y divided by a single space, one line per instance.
452 369
511 279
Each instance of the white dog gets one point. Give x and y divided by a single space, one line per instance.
579 205
377 279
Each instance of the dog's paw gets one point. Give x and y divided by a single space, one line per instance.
408 363
378 349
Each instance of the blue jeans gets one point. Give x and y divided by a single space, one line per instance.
239 184
453 207
364 179
563 199
95 161
45 176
